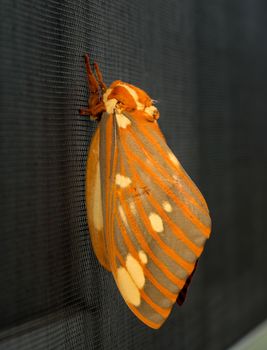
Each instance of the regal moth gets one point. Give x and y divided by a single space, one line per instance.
148 221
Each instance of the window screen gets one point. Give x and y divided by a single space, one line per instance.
205 63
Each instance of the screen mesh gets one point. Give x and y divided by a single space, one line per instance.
205 63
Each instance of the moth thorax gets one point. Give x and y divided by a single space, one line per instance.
126 97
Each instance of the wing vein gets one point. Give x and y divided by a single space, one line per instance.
177 281
154 142
188 267
171 296
161 311
166 175
187 212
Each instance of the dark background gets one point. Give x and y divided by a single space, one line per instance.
206 63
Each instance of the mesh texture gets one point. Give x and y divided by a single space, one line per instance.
205 63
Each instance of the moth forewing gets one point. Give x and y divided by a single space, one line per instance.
94 201
148 221
148 213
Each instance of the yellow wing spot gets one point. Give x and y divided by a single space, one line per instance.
97 207
122 121
142 257
128 289
136 271
174 160
167 206
156 222
122 181
122 214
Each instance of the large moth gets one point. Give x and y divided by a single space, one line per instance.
148 221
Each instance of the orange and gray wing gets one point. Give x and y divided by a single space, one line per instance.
160 221
156 220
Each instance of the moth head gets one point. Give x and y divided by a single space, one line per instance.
122 96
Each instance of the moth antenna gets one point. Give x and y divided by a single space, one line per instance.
92 82
99 77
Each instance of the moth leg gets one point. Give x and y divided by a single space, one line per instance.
96 106
93 112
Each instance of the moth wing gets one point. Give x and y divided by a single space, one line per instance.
159 221
94 201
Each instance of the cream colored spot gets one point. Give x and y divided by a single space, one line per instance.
109 104
123 216
97 206
142 256
135 271
156 222
151 110
122 181
134 95
122 121
173 158
128 289
133 208
166 206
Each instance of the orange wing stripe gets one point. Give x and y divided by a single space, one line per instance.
161 311
171 296
106 184
177 281
188 267
166 175
160 287
181 173
110 174
176 230
143 318
204 229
